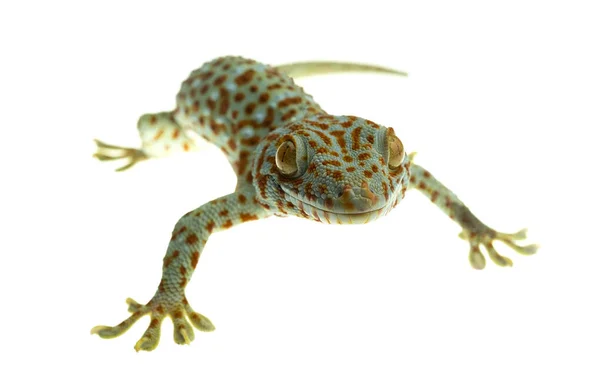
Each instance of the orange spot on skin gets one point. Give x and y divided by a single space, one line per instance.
220 80
195 258
288 115
323 136
196 106
191 239
227 224
289 101
216 127
317 124
372 124
347 124
350 169
364 156
211 104
243 162
335 163
159 133
251 141
242 199
224 213
250 108
245 77
368 174
268 121
263 98
210 226
339 135
247 217
231 143
348 159
179 232
186 147
434 196
337 175
280 207
177 314
169 259
223 101
356 139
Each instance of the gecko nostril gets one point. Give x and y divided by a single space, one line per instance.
346 189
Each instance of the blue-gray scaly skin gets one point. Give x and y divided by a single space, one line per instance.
290 158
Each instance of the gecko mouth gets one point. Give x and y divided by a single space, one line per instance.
342 212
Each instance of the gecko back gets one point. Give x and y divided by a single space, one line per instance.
231 102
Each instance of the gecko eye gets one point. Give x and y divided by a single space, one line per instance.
395 152
285 159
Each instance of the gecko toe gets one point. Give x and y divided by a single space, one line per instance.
476 257
498 259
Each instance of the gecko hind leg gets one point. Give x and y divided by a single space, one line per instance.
161 136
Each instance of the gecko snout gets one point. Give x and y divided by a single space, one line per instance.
356 199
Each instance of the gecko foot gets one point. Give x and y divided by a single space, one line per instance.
183 333
486 239
108 152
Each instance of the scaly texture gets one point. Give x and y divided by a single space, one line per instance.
290 158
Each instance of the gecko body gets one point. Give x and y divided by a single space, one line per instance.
291 158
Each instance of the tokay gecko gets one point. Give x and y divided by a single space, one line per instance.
291 158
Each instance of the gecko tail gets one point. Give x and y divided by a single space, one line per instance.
312 68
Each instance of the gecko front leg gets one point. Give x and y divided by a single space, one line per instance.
187 242
476 233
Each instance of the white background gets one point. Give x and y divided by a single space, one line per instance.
502 104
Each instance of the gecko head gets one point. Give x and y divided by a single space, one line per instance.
332 169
